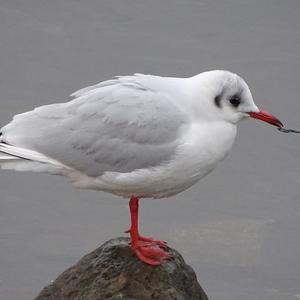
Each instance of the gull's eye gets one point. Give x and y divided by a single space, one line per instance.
235 101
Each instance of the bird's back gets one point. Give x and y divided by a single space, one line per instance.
119 125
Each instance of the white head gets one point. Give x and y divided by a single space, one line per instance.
226 96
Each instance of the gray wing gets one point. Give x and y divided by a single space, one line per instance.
119 125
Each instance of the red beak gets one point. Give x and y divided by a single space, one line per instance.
266 117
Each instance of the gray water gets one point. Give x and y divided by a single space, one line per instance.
240 227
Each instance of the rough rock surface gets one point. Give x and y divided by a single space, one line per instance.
112 272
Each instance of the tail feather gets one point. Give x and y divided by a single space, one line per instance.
18 158
8 158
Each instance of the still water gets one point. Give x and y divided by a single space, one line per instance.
239 228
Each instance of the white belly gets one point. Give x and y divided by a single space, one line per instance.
202 148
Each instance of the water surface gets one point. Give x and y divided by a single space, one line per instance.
240 227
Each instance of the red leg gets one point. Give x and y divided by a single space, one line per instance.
148 250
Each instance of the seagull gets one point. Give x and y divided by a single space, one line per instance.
139 136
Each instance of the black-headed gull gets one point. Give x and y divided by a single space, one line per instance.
139 136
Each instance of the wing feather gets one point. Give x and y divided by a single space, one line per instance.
118 125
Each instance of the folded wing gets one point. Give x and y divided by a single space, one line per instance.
119 125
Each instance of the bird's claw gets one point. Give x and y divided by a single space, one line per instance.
153 241
150 253
159 243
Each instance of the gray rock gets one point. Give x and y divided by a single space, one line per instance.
112 272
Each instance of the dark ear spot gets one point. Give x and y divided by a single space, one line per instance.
218 100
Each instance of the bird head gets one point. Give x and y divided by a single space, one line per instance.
226 96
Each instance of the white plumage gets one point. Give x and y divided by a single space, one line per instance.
140 135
